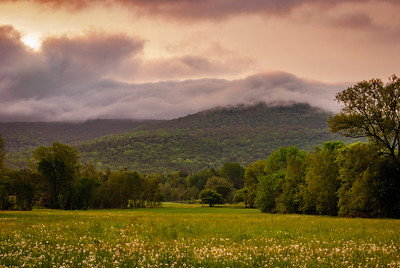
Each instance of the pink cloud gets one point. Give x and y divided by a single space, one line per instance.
196 10
69 79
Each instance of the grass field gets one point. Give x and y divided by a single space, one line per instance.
193 236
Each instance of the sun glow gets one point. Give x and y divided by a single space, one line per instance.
31 41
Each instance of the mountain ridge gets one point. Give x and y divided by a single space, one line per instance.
206 139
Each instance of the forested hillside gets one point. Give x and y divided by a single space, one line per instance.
211 138
207 139
24 135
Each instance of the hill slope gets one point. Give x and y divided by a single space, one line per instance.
203 140
208 139
24 135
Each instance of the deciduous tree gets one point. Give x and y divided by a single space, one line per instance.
371 109
234 172
368 183
58 166
322 181
252 174
211 197
2 152
270 187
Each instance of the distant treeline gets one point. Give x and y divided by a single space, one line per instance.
56 180
347 180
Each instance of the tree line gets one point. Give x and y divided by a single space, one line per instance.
354 180
347 180
57 180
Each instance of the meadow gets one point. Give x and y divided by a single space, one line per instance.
193 236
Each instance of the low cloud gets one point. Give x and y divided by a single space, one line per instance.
74 78
187 66
166 100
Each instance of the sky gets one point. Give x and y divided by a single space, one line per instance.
162 59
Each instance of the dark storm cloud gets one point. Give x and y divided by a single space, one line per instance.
71 79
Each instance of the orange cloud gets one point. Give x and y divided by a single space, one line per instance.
197 10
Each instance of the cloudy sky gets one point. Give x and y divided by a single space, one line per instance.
84 59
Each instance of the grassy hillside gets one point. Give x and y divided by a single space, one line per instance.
204 140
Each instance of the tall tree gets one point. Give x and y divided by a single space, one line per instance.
270 186
223 186
23 185
151 194
124 188
58 166
234 172
322 180
371 109
289 200
2 152
252 174
369 187
4 181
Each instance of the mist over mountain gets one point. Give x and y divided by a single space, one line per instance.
206 139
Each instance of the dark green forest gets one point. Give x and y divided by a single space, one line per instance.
358 179
208 139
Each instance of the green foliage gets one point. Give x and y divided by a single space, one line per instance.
151 192
25 135
191 193
206 140
199 179
2 152
123 186
24 186
322 181
5 202
271 184
211 197
241 196
371 109
289 200
58 166
252 174
370 184
222 186
234 172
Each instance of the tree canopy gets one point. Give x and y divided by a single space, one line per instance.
58 165
211 197
2 152
371 109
